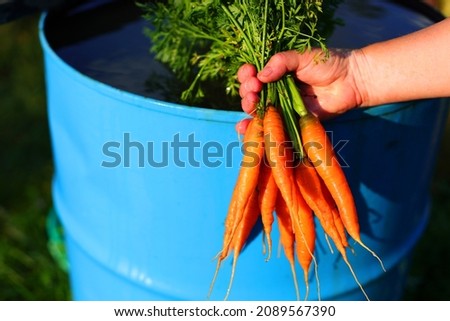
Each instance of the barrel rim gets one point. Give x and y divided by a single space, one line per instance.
129 97
194 112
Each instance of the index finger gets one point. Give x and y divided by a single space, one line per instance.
245 72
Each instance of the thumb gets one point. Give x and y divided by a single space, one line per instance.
286 62
279 65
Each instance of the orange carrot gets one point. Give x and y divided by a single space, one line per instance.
244 190
320 201
340 227
336 217
305 237
251 214
245 226
313 191
276 147
287 237
247 181
320 152
311 188
268 192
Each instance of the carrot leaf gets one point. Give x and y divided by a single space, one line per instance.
208 40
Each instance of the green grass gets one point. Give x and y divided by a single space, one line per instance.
28 272
429 277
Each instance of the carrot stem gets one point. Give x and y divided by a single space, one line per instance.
289 117
294 95
263 49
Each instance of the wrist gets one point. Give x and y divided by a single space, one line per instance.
360 76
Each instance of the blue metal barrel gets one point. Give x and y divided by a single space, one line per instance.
142 185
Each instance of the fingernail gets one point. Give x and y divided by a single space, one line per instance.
265 72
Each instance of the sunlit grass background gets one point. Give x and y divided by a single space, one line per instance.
27 270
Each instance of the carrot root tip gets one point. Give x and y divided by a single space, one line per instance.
373 253
329 243
354 276
294 277
305 274
269 248
216 272
233 269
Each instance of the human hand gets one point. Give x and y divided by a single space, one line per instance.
327 87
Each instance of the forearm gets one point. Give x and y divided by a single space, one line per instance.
415 66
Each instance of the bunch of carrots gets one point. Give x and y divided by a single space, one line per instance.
294 189
295 175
